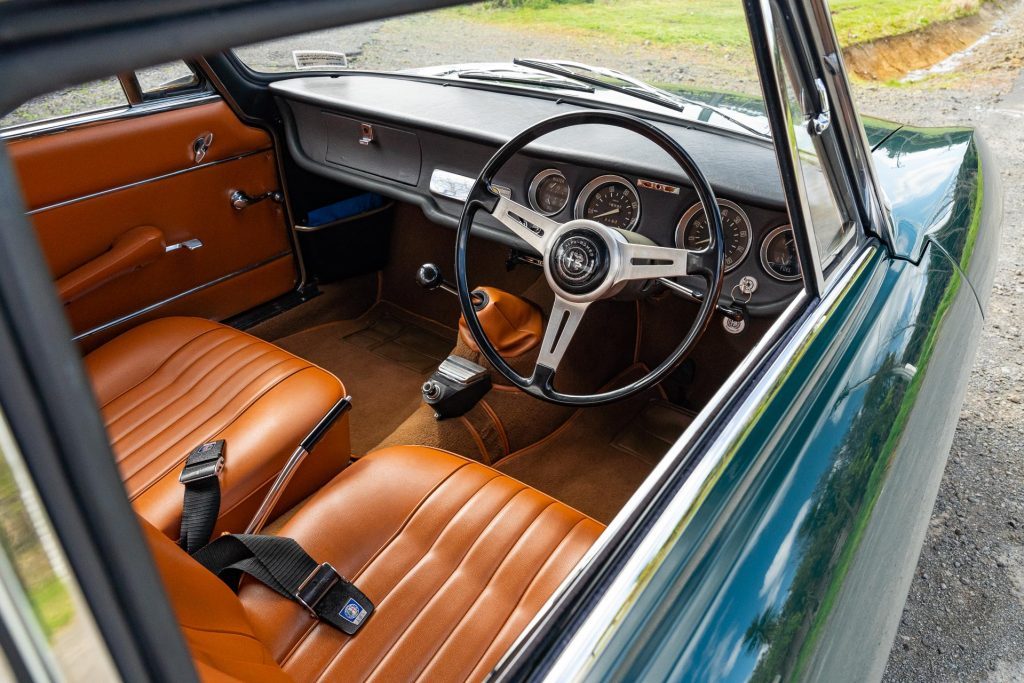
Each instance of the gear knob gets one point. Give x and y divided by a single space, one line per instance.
429 276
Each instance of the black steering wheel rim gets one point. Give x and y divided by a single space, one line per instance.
709 264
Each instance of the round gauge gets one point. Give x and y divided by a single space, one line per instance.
693 232
778 254
549 192
610 200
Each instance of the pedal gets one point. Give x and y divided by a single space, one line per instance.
455 387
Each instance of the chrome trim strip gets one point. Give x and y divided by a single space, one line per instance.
683 223
593 635
59 124
597 182
152 307
75 200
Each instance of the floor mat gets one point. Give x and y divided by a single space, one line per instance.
600 457
383 358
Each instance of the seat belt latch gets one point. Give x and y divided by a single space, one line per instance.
205 462
315 586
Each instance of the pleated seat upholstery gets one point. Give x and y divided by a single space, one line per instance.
456 557
170 385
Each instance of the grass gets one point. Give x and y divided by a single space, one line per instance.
52 604
714 24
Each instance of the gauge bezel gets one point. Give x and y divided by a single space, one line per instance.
531 193
693 210
764 255
590 188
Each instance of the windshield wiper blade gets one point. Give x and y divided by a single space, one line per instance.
559 70
523 80
636 88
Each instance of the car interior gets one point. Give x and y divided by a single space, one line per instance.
237 279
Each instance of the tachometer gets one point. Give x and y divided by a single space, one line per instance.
778 254
549 192
610 200
693 232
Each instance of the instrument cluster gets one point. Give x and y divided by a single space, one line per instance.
617 202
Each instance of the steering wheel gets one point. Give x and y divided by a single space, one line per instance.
585 261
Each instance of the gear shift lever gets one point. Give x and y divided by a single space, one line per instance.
430 277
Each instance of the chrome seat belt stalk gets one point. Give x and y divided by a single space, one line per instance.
293 462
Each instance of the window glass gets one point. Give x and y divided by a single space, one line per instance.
826 216
165 79
58 632
89 97
699 53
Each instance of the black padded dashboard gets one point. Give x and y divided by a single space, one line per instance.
421 127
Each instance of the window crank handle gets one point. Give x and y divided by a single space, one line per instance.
240 200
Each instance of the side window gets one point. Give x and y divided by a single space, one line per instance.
108 94
86 98
165 80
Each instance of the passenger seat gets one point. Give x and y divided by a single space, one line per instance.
168 386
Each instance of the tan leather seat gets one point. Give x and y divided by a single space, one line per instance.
457 558
170 385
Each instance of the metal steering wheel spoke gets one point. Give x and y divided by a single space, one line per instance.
586 261
527 224
650 262
562 324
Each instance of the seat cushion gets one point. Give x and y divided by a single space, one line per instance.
457 558
170 385
216 629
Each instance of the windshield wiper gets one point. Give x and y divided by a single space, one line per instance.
635 88
500 77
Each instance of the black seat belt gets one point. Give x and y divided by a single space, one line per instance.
201 506
282 565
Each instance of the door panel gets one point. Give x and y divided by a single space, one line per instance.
91 189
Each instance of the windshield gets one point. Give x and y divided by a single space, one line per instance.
692 60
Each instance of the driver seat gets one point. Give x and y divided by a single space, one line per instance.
456 557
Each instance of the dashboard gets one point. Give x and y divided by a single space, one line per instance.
425 143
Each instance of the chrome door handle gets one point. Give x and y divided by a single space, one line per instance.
190 245
240 200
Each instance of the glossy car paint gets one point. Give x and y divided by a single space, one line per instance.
796 560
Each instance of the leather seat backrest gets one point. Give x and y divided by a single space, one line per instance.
216 629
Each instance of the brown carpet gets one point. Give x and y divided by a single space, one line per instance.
383 359
597 459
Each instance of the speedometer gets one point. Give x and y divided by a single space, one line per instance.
610 200
693 232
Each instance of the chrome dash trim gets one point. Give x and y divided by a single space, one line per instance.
146 181
152 307
600 625
60 124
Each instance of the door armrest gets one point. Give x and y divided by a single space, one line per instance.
133 250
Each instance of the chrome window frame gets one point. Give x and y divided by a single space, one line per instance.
138 104
654 518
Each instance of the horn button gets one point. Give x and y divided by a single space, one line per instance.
579 261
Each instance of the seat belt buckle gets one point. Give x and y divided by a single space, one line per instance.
204 462
315 586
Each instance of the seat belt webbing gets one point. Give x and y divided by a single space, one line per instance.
282 565
201 505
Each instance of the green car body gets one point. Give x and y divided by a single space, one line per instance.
797 562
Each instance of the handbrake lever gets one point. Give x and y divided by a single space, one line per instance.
293 462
